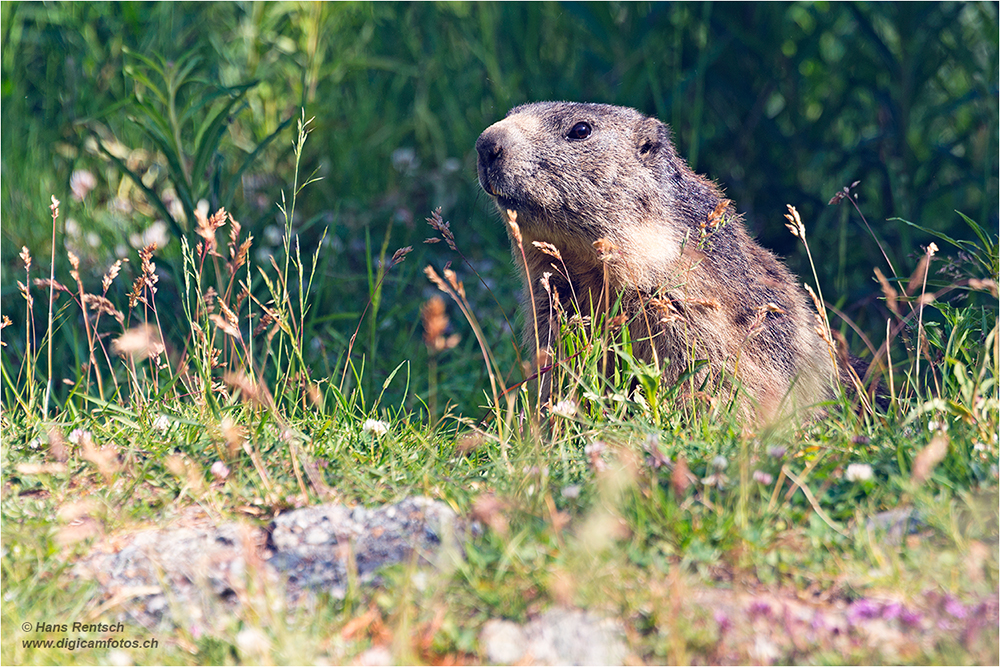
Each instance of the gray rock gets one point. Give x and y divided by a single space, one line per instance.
314 547
896 524
502 642
557 637
187 575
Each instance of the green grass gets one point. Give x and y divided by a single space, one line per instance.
631 504
591 507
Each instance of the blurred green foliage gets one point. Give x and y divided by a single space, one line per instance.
779 102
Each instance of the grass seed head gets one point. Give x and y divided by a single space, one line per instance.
441 227
139 343
548 249
25 292
794 224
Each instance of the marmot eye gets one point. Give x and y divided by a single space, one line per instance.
579 131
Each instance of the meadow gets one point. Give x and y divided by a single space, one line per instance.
247 270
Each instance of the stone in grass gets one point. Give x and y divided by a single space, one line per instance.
557 637
896 524
185 573
314 547
191 575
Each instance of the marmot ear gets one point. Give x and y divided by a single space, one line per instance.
653 145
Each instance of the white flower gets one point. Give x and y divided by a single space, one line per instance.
571 491
858 472
81 182
565 408
78 434
251 641
156 233
375 427
220 470
161 423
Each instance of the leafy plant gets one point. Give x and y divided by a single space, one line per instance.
186 118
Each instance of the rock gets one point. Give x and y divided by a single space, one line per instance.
503 642
896 524
313 546
557 637
186 570
187 575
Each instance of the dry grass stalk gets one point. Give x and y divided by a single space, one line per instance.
922 269
205 228
463 305
52 276
139 343
103 306
435 322
105 458
443 228
548 249
250 390
26 293
227 321
147 279
57 445
890 294
928 457
681 477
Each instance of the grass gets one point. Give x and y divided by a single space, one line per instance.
667 514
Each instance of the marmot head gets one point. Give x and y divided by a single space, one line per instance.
586 168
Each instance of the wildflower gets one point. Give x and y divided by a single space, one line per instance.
892 610
594 451
718 479
777 451
863 610
571 491
762 477
405 160
81 183
720 462
155 233
375 427
858 472
565 408
656 458
759 608
219 470
161 423
955 608
78 434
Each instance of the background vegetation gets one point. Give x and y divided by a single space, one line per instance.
780 103
185 362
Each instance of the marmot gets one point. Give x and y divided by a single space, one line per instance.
605 186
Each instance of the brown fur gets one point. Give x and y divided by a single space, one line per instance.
692 282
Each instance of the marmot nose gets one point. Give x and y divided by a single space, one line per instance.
489 147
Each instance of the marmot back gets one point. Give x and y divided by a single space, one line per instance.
691 281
